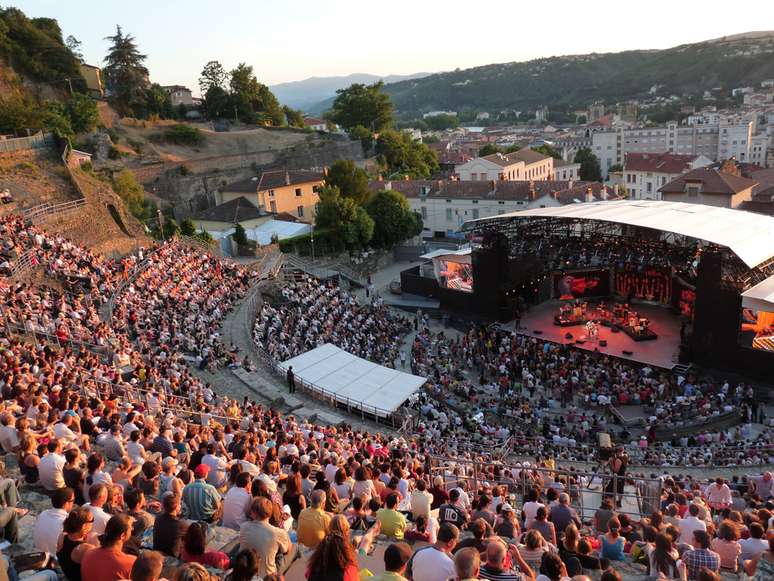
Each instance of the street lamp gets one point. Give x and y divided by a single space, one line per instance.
312 243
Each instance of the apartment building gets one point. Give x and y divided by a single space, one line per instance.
524 164
645 173
277 191
445 205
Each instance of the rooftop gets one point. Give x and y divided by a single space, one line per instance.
274 179
525 154
232 212
659 162
712 182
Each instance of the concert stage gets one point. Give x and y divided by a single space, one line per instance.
661 352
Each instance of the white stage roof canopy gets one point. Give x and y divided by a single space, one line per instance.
750 236
760 297
365 385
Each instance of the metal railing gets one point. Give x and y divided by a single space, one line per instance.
45 213
23 264
585 488
131 277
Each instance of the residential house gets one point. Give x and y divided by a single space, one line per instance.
315 124
722 187
179 95
220 220
445 205
645 173
522 165
277 191
93 77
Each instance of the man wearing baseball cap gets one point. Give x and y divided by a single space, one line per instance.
202 499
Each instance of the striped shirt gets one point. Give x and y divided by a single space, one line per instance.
201 500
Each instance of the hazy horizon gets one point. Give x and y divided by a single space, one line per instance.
286 43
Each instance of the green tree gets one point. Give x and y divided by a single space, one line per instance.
213 75
254 102
615 167
589 168
362 105
171 228
342 215
239 235
394 221
293 117
400 154
157 103
74 46
125 184
489 149
351 181
442 121
187 227
546 149
125 73
364 135
56 121
217 103
82 112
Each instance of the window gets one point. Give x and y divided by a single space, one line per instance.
300 211
475 201
448 214
298 192
474 176
273 206
692 190
271 193
649 187
475 213
501 203
424 212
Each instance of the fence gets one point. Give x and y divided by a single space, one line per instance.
45 213
586 489
37 141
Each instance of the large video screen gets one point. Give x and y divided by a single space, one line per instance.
578 285
455 275
757 329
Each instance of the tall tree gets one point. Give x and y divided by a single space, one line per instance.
344 217
399 153
217 103
125 73
254 101
293 117
350 180
213 75
589 165
362 105
74 45
394 221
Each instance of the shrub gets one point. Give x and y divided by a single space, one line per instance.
181 134
114 153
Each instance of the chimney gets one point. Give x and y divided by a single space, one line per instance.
603 193
589 194
287 178
532 192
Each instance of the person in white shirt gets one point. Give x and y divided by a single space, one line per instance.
763 485
719 494
9 439
434 562
756 545
236 504
218 474
691 523
421 500
98 494
51 466
48 525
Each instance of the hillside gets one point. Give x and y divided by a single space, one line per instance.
309 93
577 80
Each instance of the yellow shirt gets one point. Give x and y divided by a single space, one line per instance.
312 526
393 523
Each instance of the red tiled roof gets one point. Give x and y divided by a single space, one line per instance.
658 162
712 182
525 154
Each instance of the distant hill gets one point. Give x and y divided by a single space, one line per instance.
577 80
307 94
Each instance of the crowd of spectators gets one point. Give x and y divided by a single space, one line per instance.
144 465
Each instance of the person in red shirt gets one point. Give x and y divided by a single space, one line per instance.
109 562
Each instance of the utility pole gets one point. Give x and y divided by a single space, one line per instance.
313 244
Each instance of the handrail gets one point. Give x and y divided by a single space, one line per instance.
44 213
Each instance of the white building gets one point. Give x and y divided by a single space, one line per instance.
730 138
645 173
179 95
524 164
566 170
445 205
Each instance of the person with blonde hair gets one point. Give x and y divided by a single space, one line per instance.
191 572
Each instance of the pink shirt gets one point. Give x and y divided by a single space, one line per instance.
729 552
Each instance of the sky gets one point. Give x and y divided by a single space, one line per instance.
288 40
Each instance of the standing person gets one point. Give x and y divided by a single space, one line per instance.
108 562
291 380
615 486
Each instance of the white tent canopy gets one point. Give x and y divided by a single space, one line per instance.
750 236
263 233
760 297
360 383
